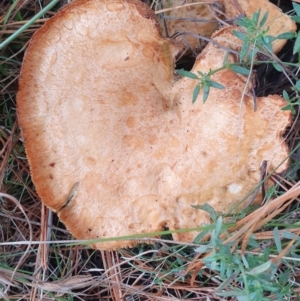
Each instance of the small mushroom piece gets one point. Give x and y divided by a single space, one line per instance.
191 20
116 147
199 19
277 21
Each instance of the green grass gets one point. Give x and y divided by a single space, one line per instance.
248 256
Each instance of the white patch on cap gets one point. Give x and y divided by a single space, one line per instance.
234 188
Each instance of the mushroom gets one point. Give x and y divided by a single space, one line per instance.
277 22
196 19
191 19
116 147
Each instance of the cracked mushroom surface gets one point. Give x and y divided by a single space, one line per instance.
116 147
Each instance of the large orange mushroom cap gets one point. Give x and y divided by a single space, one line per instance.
116 147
